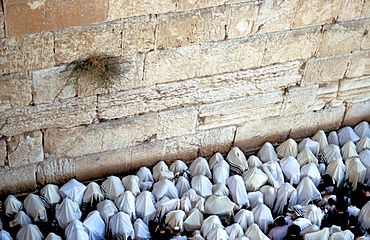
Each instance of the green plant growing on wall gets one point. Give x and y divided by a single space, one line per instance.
100 70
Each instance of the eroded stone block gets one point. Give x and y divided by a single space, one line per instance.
356 112
354 89
16 91
3 152
18 180
242 19
57 171
359 64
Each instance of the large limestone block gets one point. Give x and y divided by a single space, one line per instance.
291 45
45 15
351 10
356 112
354 89
3 152
359 65
25 149
67 113
242 19
239 111
325 69
57 171
327 95
16 91
192 27
18 180
79 43
295 103
216 140
183 147
112 135
365 9
344 37
316 12
25 53
2 23
191 4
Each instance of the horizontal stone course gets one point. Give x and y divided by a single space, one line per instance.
18 180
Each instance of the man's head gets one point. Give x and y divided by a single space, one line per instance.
280 221
176 230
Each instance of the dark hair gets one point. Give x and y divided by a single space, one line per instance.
294 230
280 221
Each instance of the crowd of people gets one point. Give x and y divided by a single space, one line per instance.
317 188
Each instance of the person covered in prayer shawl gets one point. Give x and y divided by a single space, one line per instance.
280 229
297 218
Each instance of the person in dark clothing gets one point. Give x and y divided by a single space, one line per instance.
338 217
360 196
326 185
161 232
294 232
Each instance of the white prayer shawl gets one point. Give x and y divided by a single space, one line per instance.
50 195
94 225
356 172
194 220
20 220
269 195
210 223
35 208
273 171
29 232
310 229
286 194
322 234
363 144
182 185
106 209
237 160
255 198
166 205
145 206
215 159
112 187
255 233
310 144
363 216
336 169
244 218
66 212
132 183
175 218
347 133
76 231
306 192
262 217
342 235
348 150
178 167
234 231
242 238
254 178
196 236
200 167
161 166
4 235
93 193
218 234
267 153
220 189
362 129
321 138
74 190
219 205
288 148
221 172
306 156
313 213
195 200
331 153
333 138
126 203
53 236
146 178
12 206
365 160
202 185
291 169
311 171
166 188
254 161
322 168
237 190
120 225
141 230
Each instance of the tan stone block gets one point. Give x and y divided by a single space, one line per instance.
359 64
3 153
327 95
39 16
239 111
275 15
356 112
216 140
25 149
325 69
354 89
15 91
242 19
2 24
79 43
193 27
365 9
28 52
191 4
316 12
56 171
350 10
291 45
184 147
18 180
177 122
67 113
294 102
345 37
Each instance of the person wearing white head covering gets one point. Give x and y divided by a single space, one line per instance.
306 192
273 171
255 233
238 191
262 217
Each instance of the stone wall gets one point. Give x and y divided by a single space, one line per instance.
197 78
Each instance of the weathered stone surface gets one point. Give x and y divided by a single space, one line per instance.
354 89
216 140
53 14
316 12
57 171
356 112
2 23
359 65
79 43
25 149
325 69
28 52
327 95
193 27
147 154
239 111
108 136
67 113
18 180
3 152
51 84
291 45
344 37
242 18
15 91
365 9
183 147
294 102
191 4
275 15
350 10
